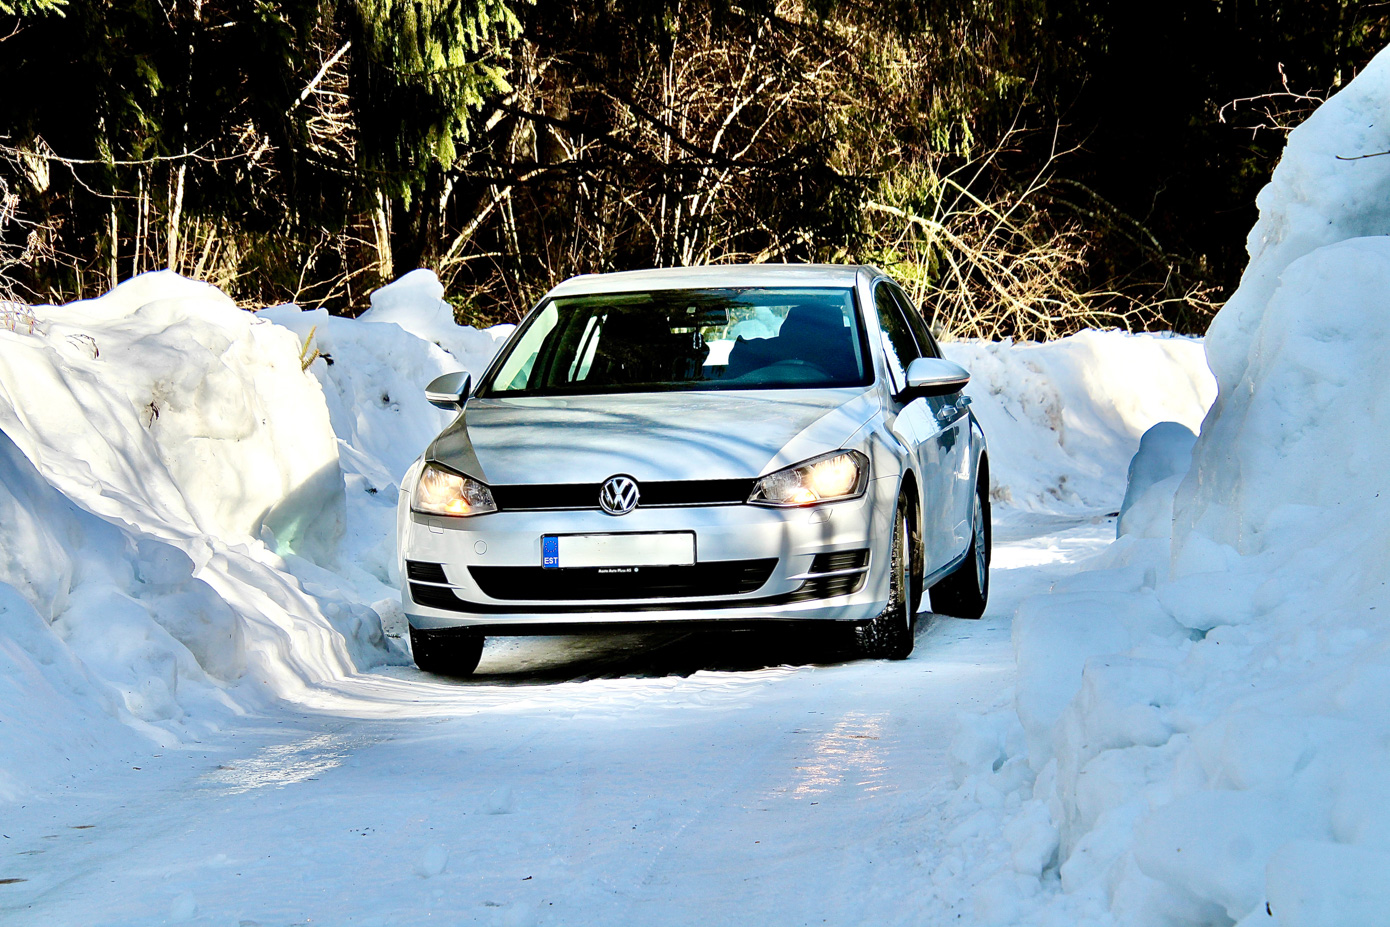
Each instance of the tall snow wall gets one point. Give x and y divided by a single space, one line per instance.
192 523
1199 734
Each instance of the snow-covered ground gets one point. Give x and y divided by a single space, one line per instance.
628 783
207 715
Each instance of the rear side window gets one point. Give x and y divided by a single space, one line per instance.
899 347
925 341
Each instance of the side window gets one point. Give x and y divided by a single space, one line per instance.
899 348
522 361
918 324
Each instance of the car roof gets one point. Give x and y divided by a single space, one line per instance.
715 275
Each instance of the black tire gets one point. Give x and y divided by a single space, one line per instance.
446 653
893 632
964 592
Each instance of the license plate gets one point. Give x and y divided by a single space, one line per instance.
617 550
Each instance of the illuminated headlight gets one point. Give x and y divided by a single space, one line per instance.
829 478
443 492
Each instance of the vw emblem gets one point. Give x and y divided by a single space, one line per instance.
618 495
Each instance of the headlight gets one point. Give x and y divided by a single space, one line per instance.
828 478
443 492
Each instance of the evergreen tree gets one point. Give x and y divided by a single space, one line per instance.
32 7
420 68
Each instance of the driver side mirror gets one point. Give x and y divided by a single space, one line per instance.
935 376
450 391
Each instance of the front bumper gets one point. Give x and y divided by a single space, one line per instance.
794 537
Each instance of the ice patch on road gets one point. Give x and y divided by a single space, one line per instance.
280 765
849 749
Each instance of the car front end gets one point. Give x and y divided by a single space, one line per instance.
551 559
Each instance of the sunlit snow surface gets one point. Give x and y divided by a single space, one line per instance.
636 781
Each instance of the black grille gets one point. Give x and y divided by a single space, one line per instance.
435 597
727 577
840 560
695 492
525 497
827 587
425 572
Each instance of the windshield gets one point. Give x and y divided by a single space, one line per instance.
746 338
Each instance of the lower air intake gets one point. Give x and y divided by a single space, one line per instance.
425 572
536 584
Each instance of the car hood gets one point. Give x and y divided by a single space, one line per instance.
650 436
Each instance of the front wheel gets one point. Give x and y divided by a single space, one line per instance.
964 592
893 632
446 652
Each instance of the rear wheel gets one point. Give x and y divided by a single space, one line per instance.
446 652
964 592
892 633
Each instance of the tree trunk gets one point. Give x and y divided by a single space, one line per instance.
115 245
381 224
175 212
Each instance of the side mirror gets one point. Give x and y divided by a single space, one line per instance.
450 391
934 376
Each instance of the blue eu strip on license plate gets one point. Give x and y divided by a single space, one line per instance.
550 552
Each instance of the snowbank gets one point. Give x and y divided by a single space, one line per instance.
168 407
1064 418
415 302
1163 459
189 521
370 375
92 616
1199 726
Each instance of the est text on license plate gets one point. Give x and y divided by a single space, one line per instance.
676 548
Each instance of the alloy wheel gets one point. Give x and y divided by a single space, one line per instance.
905 572
981 544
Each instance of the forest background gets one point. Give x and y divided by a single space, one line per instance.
1027 167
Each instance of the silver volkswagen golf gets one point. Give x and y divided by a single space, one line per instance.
723 446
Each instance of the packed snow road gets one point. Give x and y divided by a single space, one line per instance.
643 781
